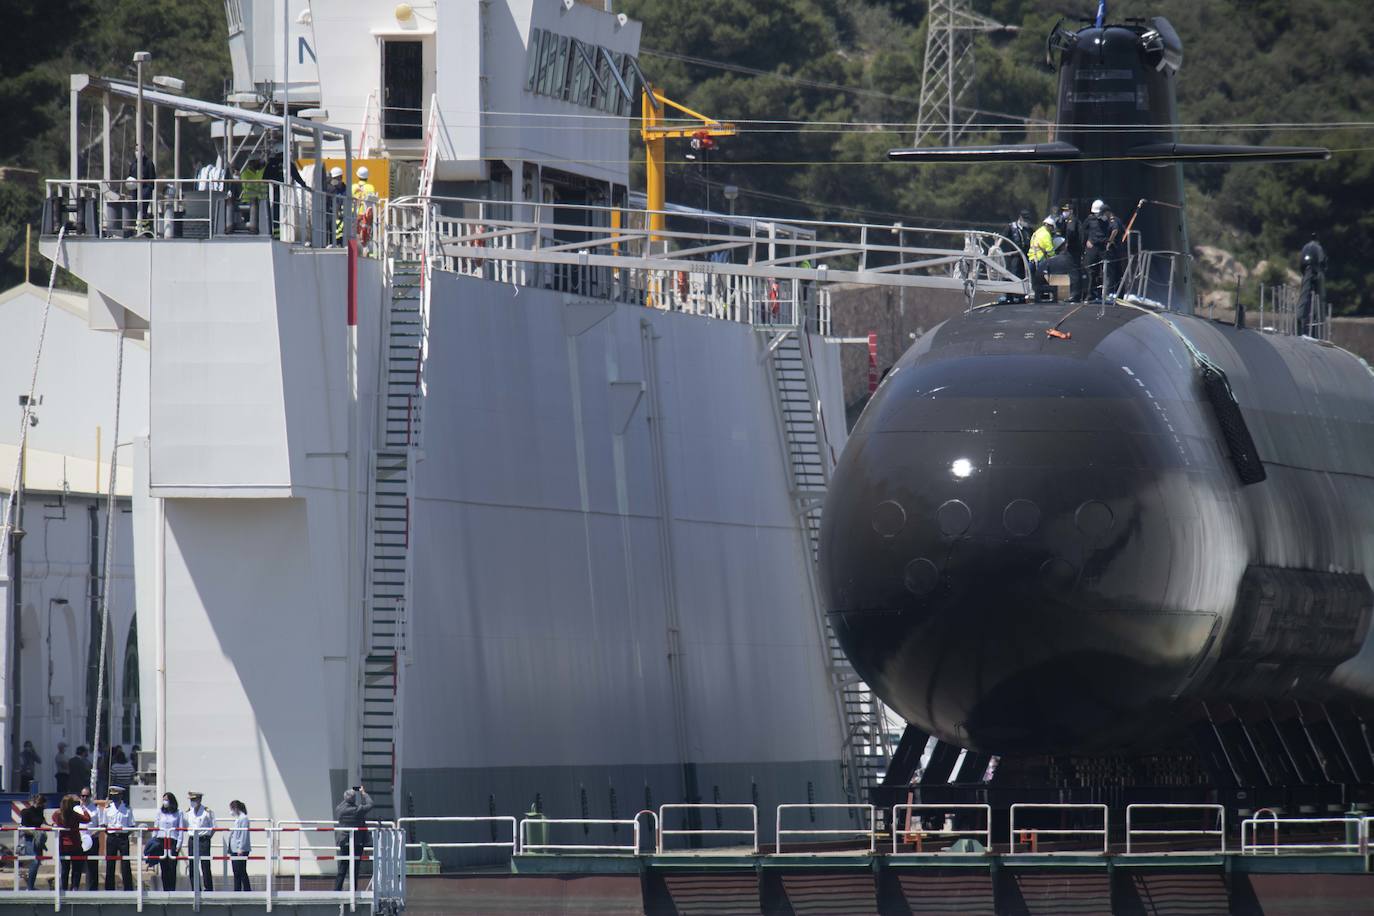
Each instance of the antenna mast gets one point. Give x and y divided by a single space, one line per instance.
949 69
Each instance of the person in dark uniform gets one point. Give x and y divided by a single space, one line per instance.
1018 232
1313 259
1067 226
1095 232
1114 260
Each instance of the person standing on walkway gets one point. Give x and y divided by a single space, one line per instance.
33 839
79 769
28 766
69 818
170 827
350 817
90 837
200 821
119 821
121 770
240 844
60 763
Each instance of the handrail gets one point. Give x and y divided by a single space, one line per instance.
870 832
985 832
752 832
513 845
1250 843
651 813
1036 832
589 848
1219 832
388 864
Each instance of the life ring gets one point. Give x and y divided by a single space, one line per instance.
682 287
773 296
365 226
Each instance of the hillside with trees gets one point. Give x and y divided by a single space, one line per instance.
823 88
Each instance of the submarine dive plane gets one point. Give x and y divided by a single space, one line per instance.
1072 542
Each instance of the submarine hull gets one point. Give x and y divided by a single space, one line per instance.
1034 544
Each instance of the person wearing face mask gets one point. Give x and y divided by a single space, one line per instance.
169 827
119 820
90 848
1019 234
200 822
240 845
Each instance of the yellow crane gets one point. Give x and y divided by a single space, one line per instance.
654 132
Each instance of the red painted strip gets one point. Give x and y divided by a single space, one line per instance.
872 362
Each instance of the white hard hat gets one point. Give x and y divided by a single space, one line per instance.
1048 221
1097 206
336 172
362 173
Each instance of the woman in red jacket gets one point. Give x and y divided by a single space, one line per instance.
70 817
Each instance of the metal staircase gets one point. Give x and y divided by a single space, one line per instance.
866 748
388 588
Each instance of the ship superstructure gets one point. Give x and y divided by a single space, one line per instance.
481 492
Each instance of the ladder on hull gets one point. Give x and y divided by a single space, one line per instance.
866 748
388 586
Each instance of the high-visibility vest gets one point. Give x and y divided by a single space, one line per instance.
253 188
1041 245
363 189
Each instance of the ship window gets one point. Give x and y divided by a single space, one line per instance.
584 74
558 84
548 53
402 90
532 60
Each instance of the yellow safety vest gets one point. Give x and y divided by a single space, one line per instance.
362 189
1041 245
253 188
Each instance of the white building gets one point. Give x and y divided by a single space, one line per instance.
64 522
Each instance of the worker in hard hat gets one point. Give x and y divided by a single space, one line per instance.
364 194
1097 229
1041 250
336 194
362 188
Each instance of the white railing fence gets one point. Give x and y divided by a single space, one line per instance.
947 834
868 833
697 833
1163 821
1026 836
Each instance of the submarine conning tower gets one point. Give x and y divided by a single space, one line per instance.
1115 138
1117 93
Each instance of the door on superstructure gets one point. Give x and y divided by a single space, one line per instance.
402 90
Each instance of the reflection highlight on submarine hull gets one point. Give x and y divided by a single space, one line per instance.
1043 545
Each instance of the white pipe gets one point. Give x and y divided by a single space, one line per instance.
160 628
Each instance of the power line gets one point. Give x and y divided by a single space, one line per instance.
822 84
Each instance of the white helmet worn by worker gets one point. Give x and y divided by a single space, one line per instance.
1097 206
362 173
336 172
1048 221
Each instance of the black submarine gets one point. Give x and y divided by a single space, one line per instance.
1087 541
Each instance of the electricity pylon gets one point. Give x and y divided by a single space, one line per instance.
949 68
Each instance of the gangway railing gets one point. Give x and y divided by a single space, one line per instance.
513 844
528 846
214 207
153 855
1318 835
742 268
869 833
917 835
1136 833
752 832
1023 834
